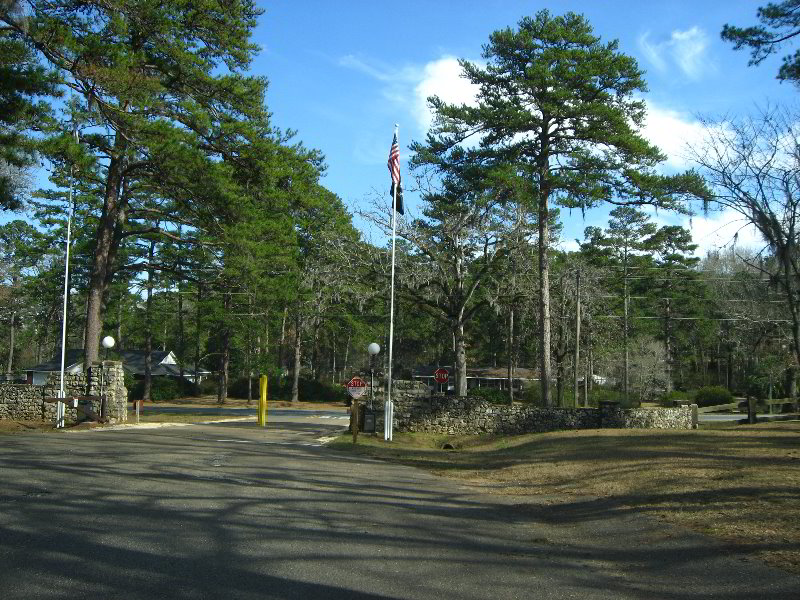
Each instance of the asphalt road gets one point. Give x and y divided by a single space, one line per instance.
232 511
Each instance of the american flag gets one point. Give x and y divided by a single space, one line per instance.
394 170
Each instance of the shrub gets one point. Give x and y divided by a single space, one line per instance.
668 399
163 389
713 395
208 387
493 395
237 388
602 394
309 390
532 395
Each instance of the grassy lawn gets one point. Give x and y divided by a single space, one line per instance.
8 426
739 483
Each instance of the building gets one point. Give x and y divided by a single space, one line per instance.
477 377
164 364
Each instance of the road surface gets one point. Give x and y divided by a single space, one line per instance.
232 511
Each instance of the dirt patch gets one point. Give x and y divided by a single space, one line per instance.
740 484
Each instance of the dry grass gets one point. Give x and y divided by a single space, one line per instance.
740 484
209 402
8 426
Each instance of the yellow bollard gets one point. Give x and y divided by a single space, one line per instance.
262 402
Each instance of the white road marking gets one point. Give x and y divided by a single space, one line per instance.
272 443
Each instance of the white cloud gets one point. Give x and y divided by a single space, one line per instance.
410 86
684 49
722 229
688 49
441 78
652 52
673 132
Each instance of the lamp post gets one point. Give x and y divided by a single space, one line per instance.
108 343
372 349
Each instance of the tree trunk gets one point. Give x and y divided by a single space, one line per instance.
13 325
11 341
790 383
668 346
106 243
315 350
510 355
545 369
561 348
148 334
181 335
225 355
248 353
625 339
346 355
577 359
461 359
296 370
119 325
197 332
333 362
282 338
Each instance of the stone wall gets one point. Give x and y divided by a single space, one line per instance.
454 415
25 402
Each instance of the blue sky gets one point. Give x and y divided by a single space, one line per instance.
342 73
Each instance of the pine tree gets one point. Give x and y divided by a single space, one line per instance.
563 108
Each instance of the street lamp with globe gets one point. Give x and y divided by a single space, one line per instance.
373 350
108 343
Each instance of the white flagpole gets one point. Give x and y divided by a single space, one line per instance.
60 406
389 408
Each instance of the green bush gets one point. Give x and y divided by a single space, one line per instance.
532 394
237 388
493 395
162 389
208 386
713 395
667 400
309 390
603 394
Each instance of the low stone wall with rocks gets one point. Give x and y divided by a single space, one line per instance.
25 402
454 415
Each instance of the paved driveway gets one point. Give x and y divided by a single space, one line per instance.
232 511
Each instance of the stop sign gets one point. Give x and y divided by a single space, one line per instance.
356 387
441 375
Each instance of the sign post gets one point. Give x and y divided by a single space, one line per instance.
441 376
356 388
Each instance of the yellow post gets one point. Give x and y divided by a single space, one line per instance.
262 402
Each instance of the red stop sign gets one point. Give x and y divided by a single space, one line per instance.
441 375
356 387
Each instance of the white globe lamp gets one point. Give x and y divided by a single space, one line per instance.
108 342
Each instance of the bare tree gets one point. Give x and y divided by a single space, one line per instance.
753 164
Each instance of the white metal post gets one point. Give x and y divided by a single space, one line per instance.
61 392
389 407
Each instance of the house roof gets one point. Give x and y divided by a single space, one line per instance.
71 358
480 372
132 362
